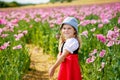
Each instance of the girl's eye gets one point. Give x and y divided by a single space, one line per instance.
64 28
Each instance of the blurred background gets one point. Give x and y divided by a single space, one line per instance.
29 37
19 3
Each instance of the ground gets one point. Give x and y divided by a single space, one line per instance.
40 64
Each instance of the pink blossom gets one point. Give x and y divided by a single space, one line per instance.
17 37
102 65
14 21
1 30
105 21
81 18
27 20
17 47
25 32
19 31
5 29
93 52
10 26
37 19
4 46
102 53
101 38
85 33
51 25
59 20
31 26
3 21
118 42
85 22
119 20
110 34
113 37
90 59
100 25
110 43
4 35
93 21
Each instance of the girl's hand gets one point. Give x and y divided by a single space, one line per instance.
51 72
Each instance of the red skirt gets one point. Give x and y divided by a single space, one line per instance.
70 68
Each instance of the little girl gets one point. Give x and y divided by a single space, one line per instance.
69 45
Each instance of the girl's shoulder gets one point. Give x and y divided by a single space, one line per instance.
71 44
71 40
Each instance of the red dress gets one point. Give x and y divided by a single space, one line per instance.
70 68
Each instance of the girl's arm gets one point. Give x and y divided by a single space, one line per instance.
58 55
58 62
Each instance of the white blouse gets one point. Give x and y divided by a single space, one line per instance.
71 45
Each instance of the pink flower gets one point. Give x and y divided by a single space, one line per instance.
94 52
100 25
119 20
110 34
4 35
102 53
101 38
1 30
93 22
17 37
4 46
110 43
25 32
113 37
37 19
102 65
3 21
59 20
90 59
31 26
17 47
85 33
118 42
105 21
51 25
85 22
14 21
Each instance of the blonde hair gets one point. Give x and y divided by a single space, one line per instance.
62 40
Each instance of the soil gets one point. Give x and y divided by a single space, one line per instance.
40 64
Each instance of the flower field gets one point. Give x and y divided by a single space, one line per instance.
99 29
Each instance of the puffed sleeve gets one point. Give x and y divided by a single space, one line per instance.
71 45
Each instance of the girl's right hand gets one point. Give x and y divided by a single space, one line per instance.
51 72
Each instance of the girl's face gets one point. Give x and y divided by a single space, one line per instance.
67 31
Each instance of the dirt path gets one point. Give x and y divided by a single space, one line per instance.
40 64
